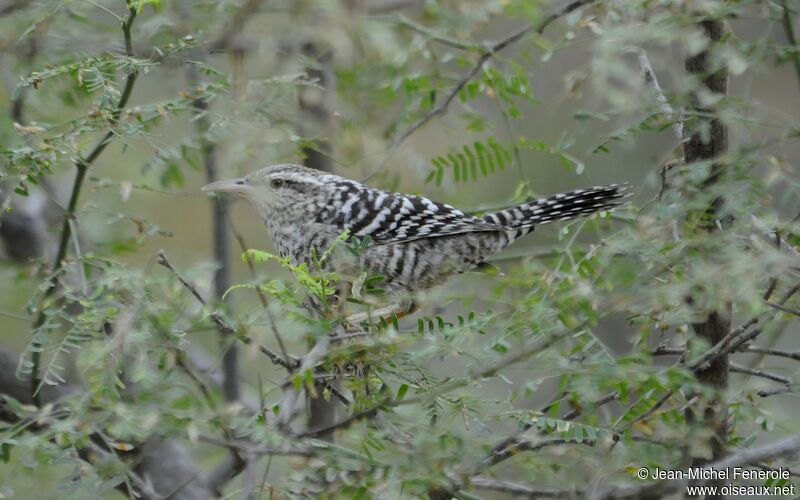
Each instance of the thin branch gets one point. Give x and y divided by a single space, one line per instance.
722 347
764 466
432 35
644 416
514 488
774 392
217 318
522 443
785 448
663 103
677 351
612 396
781 307
347 422
795 355
15 316
490 51
82 165
739 336
261 295
759 373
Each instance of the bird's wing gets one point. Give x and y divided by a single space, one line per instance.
395 218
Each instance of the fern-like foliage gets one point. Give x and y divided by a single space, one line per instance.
484 158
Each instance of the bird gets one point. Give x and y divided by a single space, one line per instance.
413 242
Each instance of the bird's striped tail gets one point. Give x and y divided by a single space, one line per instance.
560 207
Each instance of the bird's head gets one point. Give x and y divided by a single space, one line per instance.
279 190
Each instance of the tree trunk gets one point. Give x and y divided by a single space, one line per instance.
702 147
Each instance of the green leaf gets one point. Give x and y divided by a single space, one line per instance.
401 392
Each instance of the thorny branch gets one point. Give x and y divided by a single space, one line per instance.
217 318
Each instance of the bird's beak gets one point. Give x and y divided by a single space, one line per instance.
240 186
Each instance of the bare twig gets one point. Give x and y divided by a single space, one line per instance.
347 422
738 337
489 51
432 35
773 392
774 238
524 443
781 307
723 347
611 396
82 165
795 355
663 103
514 488
759 373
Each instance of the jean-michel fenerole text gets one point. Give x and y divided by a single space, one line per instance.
732 473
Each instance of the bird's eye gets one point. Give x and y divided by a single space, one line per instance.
276 183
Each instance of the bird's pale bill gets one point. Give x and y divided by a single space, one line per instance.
240 186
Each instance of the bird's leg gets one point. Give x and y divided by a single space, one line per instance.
397 309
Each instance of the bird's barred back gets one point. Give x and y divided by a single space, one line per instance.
395 217
561 206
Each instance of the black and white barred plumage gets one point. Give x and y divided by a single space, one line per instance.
416 242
